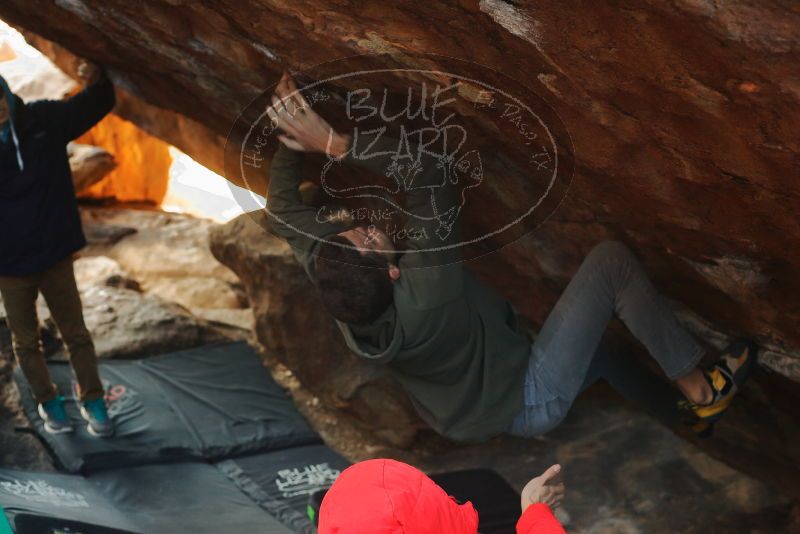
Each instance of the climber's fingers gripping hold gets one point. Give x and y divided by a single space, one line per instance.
304 129
287 88
293 103
281 116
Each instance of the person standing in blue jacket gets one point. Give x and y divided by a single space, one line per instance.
40 230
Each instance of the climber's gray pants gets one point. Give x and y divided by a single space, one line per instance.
567 355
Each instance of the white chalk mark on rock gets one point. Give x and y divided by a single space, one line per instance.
266 51
77 7
517 22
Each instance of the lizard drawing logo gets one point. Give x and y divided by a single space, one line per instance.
415 170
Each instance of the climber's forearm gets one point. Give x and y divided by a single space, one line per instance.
290 218
286 173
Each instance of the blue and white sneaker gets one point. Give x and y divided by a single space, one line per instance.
56 420
96 414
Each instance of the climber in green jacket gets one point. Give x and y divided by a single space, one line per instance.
453 343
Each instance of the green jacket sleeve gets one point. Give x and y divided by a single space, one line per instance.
290 219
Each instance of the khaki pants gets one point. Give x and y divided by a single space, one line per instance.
60 291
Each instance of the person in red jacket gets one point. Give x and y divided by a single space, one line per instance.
389 497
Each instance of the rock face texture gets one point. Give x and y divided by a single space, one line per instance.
204 144
89 164
682 117
124 322
143 162
168 257
681 114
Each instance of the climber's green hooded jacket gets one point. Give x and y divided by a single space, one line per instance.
451 342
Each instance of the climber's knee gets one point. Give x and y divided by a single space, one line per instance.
610 250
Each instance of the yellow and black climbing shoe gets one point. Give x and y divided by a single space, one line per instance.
726 377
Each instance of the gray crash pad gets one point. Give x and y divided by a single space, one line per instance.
207 403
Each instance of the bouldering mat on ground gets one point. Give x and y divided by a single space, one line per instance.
160 499
37 524
189 497
206 442
40 503
281 481
207 403
260 494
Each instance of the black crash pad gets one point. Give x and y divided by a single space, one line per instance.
207 403
40 503
281 481
188 497
260 494
39 524
160 499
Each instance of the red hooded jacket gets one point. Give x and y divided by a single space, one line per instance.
390 497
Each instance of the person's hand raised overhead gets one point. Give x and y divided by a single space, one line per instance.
304 129
90 72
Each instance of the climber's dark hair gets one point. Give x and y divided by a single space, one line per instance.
354 287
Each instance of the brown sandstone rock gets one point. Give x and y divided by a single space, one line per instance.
168 256
682 115
192 137
89 164
126 324
126 321
97 270
6 52
143 162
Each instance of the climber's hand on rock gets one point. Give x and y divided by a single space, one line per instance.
304 129
90 72
539 491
